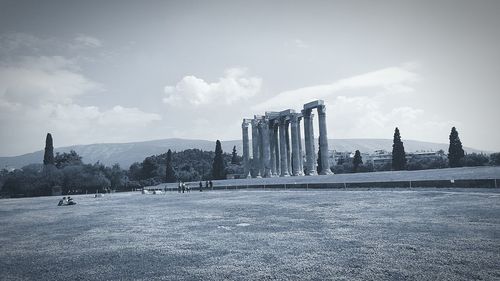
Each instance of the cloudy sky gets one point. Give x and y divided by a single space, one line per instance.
120 71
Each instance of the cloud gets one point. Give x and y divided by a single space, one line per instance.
35 80
297 43
88 41
236 85
371 116
40 94
391 79
300 44
17 44
368 105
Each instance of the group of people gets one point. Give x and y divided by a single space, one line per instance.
66 201
184 187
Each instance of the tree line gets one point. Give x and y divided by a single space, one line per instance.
67 171
456 158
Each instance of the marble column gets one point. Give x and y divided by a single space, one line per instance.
323 137
266 153
309 142
283 156
295 144
288 146
299 137
246 148
277 162
255 149
272 151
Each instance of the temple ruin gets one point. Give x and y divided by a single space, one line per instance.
277 143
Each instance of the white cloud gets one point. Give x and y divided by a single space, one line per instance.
300 44
40 95
88 41
297 43
369 105
372 117
234 86
391 79
35 80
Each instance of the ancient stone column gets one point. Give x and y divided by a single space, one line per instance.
309 143
283 156
266 153
277 148
323 139
272 149
299 137
246 148
295 144
255 148
288 146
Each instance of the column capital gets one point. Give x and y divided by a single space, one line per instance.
306 112
283 120
264 121
245 123
255 122
295 117
322 109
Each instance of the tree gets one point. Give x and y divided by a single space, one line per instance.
218 172
170 173
234 157
135 171
495 159
455 151
67 159
357 161
398 152
48 157
475 159
149 168
117 177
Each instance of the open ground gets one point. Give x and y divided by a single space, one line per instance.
358 234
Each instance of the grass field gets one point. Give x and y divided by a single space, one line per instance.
389 234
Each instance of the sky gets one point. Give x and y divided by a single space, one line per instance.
122 71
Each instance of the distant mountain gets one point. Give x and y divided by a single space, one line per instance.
127 153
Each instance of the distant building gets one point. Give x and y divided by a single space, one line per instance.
382 157
433 155
379 157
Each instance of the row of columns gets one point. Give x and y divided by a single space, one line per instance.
277 145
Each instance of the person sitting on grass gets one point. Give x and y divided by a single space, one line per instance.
70 201
62 202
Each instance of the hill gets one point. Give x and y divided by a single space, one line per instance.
127 153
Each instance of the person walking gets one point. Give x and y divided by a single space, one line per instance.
179 187
211 185
183 187
201 186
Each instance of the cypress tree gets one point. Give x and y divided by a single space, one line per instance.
170 173
234 158
455 151
398 152
48 157
357 161
218 172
